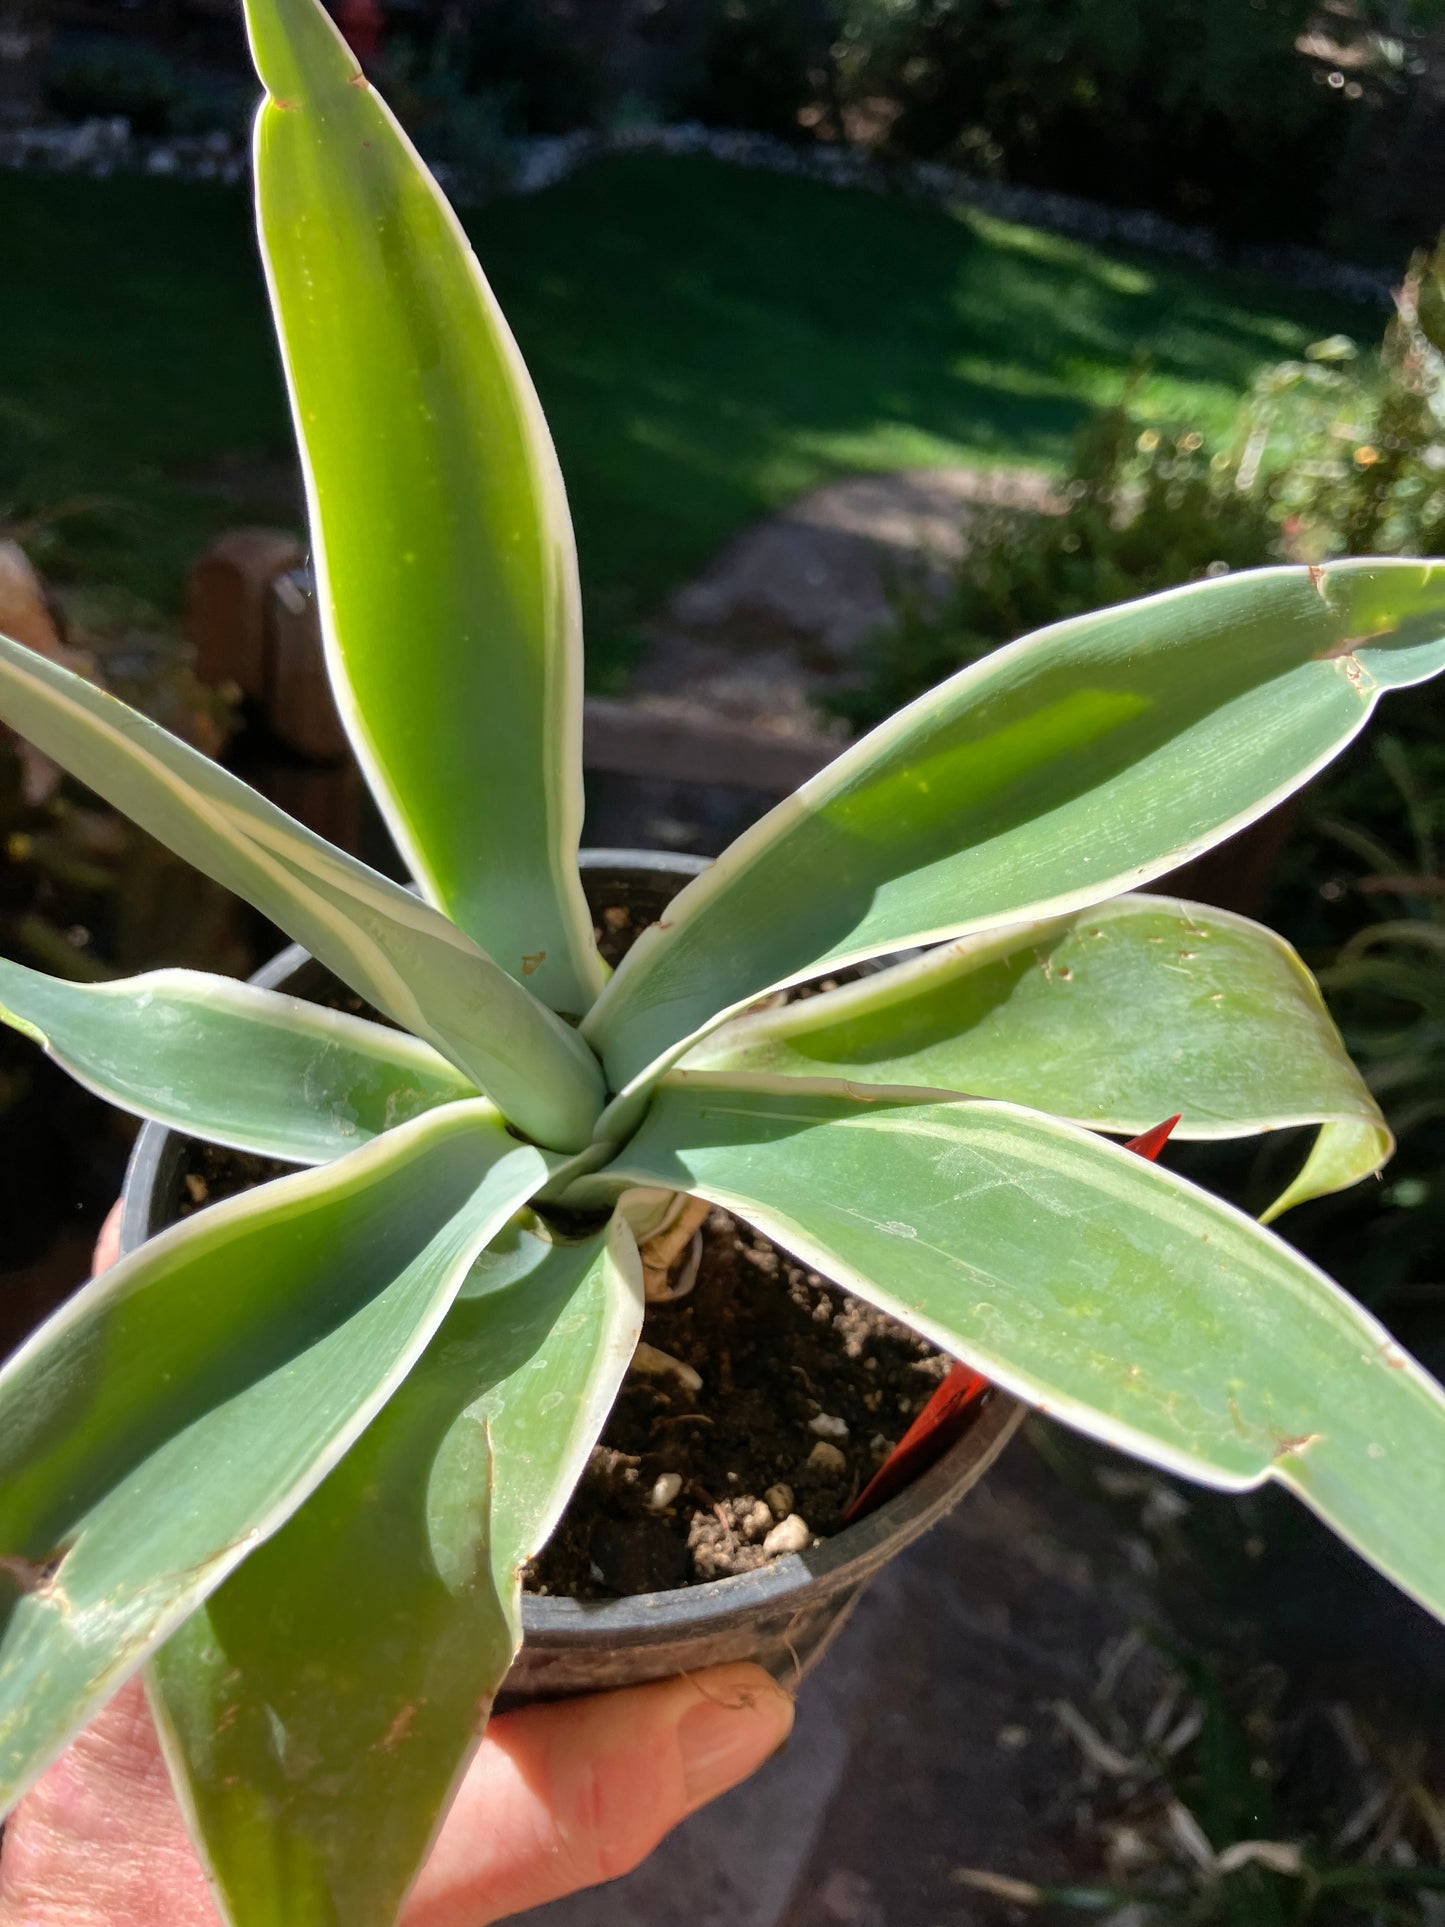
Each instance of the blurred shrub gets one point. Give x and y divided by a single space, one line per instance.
1202 109
530 59
755 66
94 77
1357 452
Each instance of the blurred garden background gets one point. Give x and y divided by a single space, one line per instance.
872 334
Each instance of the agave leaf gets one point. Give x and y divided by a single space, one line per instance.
394 950
1341 1155
320 1708
1112 1018
179 1408
445 564
1054 774
251 1068
1104 1289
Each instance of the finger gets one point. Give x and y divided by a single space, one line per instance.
562 1797
107 1245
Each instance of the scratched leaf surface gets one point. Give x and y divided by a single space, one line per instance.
397 952
1113 1293
229 1062
1112 1017
446 571
178 1409
367 1639
1062 770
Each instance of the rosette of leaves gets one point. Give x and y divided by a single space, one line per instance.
292 1454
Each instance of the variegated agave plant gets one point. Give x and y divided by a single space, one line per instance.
295 1450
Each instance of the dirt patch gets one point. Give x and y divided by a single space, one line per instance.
791 1395
803 1391
787 611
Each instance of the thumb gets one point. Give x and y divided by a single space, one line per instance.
562 1797
107 1244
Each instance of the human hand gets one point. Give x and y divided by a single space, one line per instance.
558 1798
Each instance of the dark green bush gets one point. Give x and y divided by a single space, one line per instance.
754 68
1201 109
531 56
99 78
489 73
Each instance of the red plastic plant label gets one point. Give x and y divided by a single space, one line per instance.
947 1414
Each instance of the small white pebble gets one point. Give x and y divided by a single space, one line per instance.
880 1446
790 1535
780 1498
756 1521
655 1364
828 1427
1010 1738
827 1458
665 1489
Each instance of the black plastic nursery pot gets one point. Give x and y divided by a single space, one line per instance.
783 1615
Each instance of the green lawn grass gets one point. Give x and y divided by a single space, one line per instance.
707 342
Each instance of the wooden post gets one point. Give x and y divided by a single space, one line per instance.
251 617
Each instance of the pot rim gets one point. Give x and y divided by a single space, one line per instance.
845 1560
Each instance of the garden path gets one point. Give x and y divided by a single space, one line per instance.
780 618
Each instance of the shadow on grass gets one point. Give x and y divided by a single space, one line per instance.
707 342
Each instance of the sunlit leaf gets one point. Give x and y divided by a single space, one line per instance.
365 1642
446 570
226 1061
1108 1291
1112 1017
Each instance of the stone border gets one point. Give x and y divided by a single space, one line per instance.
103 147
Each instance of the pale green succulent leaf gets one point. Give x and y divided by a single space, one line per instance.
1115 1017
445 565
394 950
1056 773
368 1638
1104 1289
229 1062
178 1409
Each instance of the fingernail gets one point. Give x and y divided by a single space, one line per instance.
723 1741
